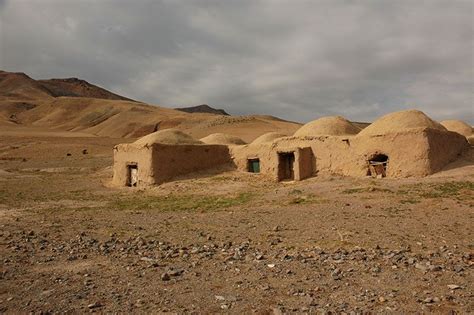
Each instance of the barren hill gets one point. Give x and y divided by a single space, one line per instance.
78 88
20 85
204 108
74 105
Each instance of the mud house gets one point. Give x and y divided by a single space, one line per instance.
162 156
401 144
460 127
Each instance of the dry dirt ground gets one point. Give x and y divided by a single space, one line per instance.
227 242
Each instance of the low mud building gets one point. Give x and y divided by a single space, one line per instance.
163 155
401 144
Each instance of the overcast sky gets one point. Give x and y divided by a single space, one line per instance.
294 59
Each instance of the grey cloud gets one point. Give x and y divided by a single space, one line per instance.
294 59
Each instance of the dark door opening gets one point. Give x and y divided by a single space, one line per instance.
286 162
253 165
378 166
132 175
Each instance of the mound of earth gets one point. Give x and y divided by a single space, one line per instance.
167 136
328 126
268 137
222 138
400 121
458 126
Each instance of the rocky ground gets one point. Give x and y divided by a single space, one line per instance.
226 242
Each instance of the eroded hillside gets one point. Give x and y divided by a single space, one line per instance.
75 105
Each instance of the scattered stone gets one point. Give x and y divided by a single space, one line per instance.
453 286
94 305
175 272
165 277
458 269
430 300
376 269
421 267
434 268
277 311
47 293
336 274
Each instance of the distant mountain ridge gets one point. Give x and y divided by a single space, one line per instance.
18 84
75 87
75 105
204 108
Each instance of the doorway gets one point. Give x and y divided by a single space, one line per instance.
378 166
253 165
286 162
132 175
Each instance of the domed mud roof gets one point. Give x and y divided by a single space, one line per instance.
470 139
222 138
167 136
268 137
458 126
400 121
328 126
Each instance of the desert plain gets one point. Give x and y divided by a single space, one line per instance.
222 241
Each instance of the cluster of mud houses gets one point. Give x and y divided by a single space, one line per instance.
401 144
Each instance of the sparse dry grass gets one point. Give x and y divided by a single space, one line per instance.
179 202
371 189
460 190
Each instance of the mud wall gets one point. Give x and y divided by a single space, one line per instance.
329 154
240 155
269 160
416 152
313 155
305 163
130 154
407 153
445 147
170 161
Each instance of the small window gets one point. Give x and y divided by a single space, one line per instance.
132 175
253 165
378 166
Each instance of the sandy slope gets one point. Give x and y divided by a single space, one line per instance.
117 119
27 103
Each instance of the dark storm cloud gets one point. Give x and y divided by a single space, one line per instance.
294 59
